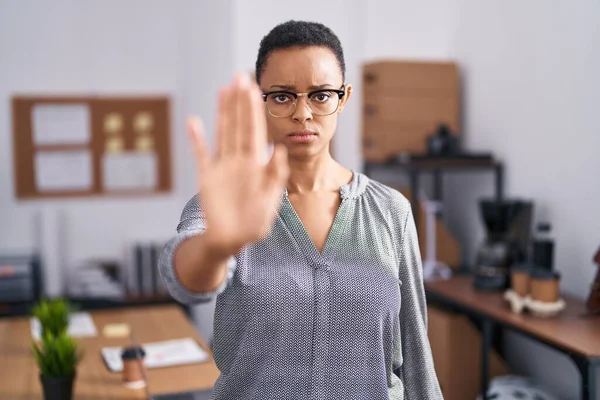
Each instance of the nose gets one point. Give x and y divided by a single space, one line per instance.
302 113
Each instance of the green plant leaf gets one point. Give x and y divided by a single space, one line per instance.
56 356
53 315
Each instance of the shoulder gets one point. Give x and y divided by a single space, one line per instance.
192 206
389 198
192 214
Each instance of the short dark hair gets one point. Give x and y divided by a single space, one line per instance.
302 34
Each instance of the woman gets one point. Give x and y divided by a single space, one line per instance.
315 268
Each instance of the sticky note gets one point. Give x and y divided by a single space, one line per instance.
116 330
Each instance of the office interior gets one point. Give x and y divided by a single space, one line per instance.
528 90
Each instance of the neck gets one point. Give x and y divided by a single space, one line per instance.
314 174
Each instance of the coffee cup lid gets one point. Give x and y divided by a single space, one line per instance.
131 353
544 273
521 268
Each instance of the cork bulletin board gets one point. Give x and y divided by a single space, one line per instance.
90 146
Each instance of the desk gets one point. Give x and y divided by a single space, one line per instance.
573 332
20 380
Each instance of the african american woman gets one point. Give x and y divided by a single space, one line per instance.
315 269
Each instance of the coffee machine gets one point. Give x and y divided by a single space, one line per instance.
508 225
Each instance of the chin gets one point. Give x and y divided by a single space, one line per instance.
304 152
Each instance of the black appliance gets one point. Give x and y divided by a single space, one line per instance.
508 225
542 247
443 142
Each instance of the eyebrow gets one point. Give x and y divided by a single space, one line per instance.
313 87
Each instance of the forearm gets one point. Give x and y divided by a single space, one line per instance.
199 265
190 265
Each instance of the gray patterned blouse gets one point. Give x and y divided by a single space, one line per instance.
346 323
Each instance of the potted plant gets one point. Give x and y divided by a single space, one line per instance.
53 316
57 357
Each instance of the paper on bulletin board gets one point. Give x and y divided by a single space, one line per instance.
63 170
61 124
129 171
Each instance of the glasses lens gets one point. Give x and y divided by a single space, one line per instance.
281 104
324 102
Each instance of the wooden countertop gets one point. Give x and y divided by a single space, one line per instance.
573 329
19 375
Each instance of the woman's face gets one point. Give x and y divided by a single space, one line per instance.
304 132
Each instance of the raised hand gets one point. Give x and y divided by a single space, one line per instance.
239 194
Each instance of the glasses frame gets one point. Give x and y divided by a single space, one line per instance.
340 92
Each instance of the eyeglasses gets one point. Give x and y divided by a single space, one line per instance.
282 103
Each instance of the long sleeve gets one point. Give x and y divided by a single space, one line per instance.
191 223
415 365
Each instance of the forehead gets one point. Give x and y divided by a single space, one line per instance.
302 67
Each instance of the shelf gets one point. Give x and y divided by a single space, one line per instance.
423 162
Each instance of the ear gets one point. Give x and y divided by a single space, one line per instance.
348 88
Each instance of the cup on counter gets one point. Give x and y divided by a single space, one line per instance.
520 279
133 358
544 285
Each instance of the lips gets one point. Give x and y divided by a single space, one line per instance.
303 136
303 133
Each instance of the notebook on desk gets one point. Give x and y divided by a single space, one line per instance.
160 354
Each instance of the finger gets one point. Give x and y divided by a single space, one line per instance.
196 132
277 170
258 138
225 143
241 85
246 123
252 122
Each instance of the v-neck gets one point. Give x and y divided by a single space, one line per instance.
293 222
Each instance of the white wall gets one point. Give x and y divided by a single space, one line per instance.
66 47
532 93
408 29
207 37
180 48
404 29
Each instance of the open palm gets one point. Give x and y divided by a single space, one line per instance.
238 193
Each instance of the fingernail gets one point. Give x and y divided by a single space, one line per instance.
243 79
193 124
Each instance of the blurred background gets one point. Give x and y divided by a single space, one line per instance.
528 96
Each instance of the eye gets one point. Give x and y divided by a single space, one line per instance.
321 97
281 98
